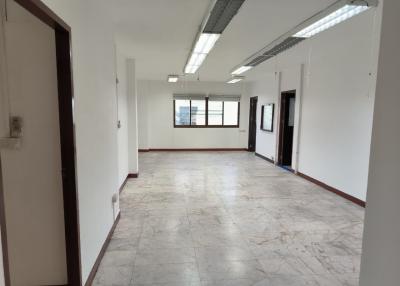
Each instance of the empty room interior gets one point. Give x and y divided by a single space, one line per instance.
199 143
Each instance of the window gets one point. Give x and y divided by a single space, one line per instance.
215 112
201 111
231 111
198 112
182 112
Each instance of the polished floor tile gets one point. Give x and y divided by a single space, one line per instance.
229 218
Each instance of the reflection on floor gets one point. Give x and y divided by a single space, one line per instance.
230 218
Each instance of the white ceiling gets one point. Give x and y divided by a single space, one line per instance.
159 33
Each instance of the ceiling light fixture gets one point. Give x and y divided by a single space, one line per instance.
241 70
235 79
218 17
173 78
331 20
205 43
202 47
331 16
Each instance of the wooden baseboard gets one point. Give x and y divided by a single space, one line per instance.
144 150
95 267
193 149
265 158
333 190
133 175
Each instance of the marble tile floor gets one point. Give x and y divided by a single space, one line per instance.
229 218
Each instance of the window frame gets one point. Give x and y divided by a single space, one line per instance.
206 125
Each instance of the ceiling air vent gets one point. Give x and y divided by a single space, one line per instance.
275 50
258 60
221 15
285 45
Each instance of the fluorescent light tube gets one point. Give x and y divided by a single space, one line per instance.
192 60
173 78
205 43
191 69
196 59
331 20
241 70
195 62
203 46
236 79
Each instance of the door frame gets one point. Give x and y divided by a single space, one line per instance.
255 141
283 101
67 139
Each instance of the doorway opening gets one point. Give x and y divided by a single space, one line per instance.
286 129
252 124
57 41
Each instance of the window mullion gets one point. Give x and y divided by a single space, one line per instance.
190 112
223 112
206 111
238 114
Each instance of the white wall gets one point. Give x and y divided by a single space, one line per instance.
95 118
32 182
337 101
133 140
157 118
267 92
381 247
122 97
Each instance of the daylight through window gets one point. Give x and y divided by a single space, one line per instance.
201 111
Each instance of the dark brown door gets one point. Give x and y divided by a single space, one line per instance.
286 129
252 124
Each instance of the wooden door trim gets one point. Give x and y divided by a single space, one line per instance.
283 102
67 138
248 139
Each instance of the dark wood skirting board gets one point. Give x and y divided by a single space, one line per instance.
321 184
265 158
191 149
333 190
95 267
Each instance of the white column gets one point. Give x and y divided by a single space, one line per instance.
143 114
132 118
381 249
